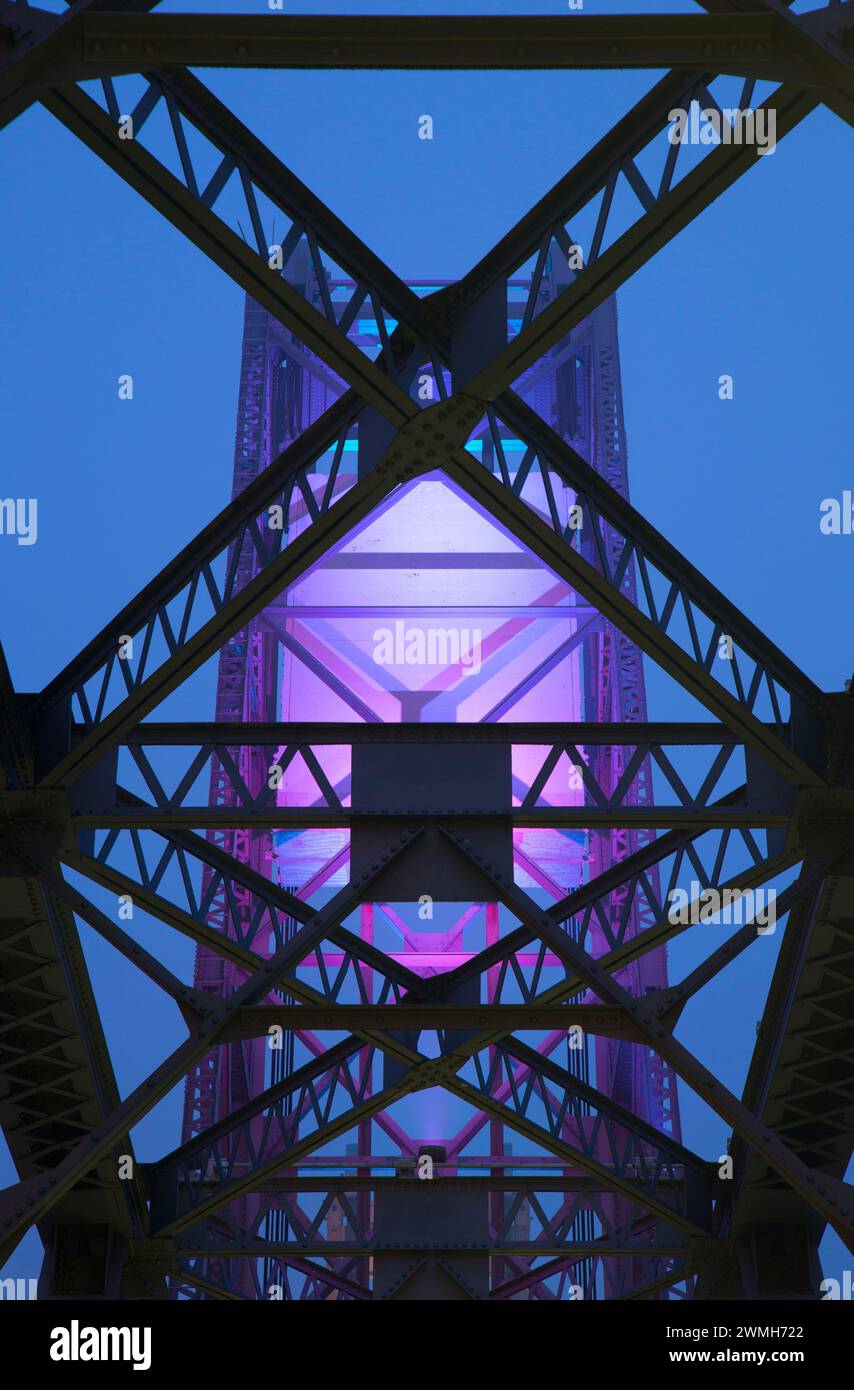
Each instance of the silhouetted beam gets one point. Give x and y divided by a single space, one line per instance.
196 216
287 817
598 588
452 1183
233 735
667 215
228 1248
745 45
592 1018
224 530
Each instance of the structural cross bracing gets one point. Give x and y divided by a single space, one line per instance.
597 1190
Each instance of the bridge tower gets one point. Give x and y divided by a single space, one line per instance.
296 657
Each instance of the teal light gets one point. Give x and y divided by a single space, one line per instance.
368 327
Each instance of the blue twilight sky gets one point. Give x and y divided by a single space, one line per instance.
97 284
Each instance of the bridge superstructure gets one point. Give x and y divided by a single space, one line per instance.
573 1167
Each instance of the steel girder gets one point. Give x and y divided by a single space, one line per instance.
647 735
731 39
323 800
521 1086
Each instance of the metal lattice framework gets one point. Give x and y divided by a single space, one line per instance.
602 1180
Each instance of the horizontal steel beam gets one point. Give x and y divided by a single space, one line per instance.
109 45
494 1182
273 735
312 818
591 1018
226 1248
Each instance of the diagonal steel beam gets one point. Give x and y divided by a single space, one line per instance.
574 1155
273 896
667 215
602 590
624 874
226 1191
236 525
324 1275
192 1003
171 915
189 211
649 543
632 132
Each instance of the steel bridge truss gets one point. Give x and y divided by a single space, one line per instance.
251 1191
